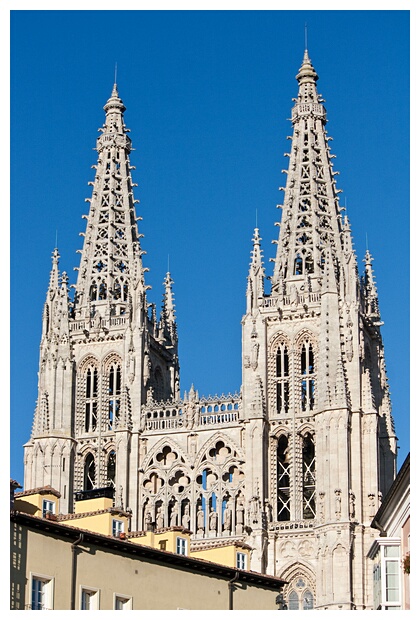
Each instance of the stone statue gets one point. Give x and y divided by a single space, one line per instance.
148 521
338 503
213 519
253 509
174 515
200 519
352 505
159 518
227 526
186 517
240 515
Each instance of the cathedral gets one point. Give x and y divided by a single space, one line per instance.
296 464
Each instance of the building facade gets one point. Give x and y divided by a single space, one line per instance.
60 566
295 465
390 551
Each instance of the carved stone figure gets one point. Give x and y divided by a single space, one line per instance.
148 521
200 519
174 515
254 506
213 519
337 503
186 517
159 518
227 525
352 504
240 515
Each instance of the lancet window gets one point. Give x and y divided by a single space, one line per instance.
91 399
282 379
110 469
283 479
304 263
114 393
89 473
308 477
307 365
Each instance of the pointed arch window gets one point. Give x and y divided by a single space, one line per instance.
114 392
300 595
110 469
282 379
308 477
298 265
102 291
283 479
89 473
304 262
93 291
307 376
91 399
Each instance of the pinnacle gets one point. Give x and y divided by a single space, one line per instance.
307 72
114 101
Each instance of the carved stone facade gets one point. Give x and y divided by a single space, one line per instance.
296 464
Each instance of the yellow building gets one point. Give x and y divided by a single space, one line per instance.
91 560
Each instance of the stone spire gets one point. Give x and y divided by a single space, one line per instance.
168 300
167 316
369 289
255 288
311 220
111 273
52 293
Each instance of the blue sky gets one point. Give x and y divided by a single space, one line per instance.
208 97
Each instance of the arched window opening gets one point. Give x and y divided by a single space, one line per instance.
308 473
293 600
307 377
307 600
300 596
93 292
89 474
282 379
309 264
110 469
91 399
102 291
283 480
114 391
298 265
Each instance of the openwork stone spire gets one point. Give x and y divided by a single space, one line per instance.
369 289
111 269
255 289
311 220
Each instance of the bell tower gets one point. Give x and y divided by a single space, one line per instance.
104 351
314 347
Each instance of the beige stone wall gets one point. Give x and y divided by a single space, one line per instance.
150 584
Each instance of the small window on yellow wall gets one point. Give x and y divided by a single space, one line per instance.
241 561
181 546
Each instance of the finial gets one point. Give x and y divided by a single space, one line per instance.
306 36
256 218
115 74
367 246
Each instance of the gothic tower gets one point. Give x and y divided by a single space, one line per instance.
295 465
314 383
102 353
